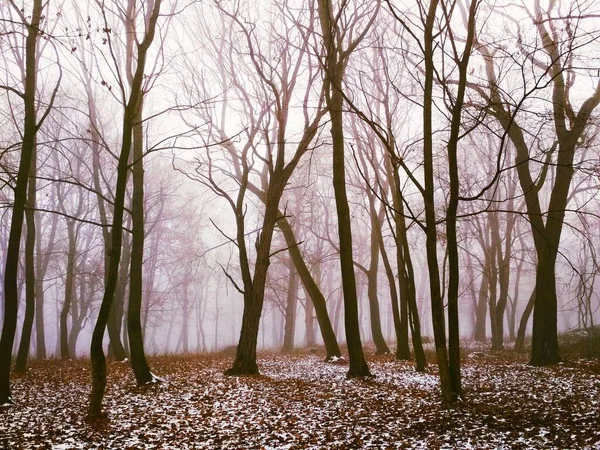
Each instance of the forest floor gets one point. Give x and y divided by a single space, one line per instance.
299 402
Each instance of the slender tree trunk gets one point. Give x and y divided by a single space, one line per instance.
479 334
11 296
30 279
415 321
309 322
69 291
515 302
372 272
77 323
452 208
437 304
98 360
290 307
139 364
336 60
185 327
520 342
406 275
42 262
401 349
358 363
116 316
40 333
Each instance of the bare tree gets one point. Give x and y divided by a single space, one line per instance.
131 104
336 59
31 125
556 70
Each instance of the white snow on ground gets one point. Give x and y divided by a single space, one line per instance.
299 402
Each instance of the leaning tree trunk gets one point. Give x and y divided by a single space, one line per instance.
332 348
520 341
96 352
11 295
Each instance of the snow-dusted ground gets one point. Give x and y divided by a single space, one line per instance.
300 402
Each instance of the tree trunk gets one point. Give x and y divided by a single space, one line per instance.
11 296
452 208
30 279
40 334
544 338
254 286
358 364
515 302
309 322
290 307
406 276
437 304
139 364
402 352
41 269
336 60
116 316
479 334
69 291
415 321
332 348
98 360
380 344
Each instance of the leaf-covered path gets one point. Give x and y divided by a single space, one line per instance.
302 403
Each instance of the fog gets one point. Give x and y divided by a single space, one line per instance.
236 104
